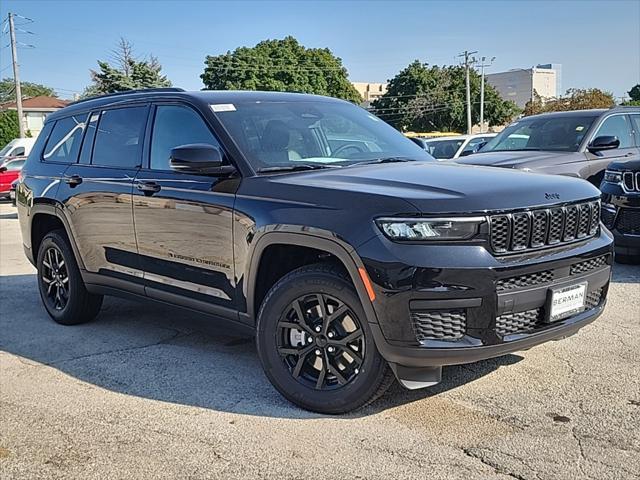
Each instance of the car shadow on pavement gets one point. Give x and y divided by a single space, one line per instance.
164 353
626 273
9 216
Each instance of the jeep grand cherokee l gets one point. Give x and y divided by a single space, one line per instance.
578 143
353 256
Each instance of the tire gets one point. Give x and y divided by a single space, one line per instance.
62 290
289 354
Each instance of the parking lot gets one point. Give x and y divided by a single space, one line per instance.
151 392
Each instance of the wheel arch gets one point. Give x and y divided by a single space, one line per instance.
342 251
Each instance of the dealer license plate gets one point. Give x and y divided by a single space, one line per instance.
567 301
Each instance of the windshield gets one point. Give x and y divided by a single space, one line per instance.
442 149
558 134
317 133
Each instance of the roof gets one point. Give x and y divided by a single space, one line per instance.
35 103
205 96
460 137
596 112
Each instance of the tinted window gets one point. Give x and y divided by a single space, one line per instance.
18 151
64 142
119 137
556 134
617 126
174 126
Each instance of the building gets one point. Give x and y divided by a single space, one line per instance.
519 84
370 92
35 110
558 68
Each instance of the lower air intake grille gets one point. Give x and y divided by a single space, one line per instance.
520 322
439 324
592 264
629 221
521 281
593 299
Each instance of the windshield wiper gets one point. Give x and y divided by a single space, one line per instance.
386 160
293 168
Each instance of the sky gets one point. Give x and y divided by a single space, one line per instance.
597 42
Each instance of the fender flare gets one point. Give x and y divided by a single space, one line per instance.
54 210
318 239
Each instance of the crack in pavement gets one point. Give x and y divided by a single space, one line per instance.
497 468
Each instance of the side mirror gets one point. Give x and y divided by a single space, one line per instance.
199 158
3 169
604 142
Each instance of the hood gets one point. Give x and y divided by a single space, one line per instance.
633 165
515 159
434 187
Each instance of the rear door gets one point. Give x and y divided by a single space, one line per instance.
96 193
618 125
184 221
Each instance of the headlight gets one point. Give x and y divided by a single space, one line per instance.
420 229
612 177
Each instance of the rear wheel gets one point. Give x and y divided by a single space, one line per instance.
62 290
315 345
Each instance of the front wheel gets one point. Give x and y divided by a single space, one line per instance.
315 345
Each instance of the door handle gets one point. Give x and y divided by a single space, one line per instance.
148 188
73 180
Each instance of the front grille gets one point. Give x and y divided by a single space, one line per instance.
592 264
631 181
439 324
538 228
521 281
629 221
520 322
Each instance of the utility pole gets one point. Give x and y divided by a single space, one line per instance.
466 54
482 65
16 74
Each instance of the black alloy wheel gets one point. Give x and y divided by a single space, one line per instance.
321 341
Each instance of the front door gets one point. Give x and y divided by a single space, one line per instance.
183 221
617 125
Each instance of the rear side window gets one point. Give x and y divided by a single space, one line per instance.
63 144
119 137
18 151
14 166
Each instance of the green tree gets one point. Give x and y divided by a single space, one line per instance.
424 98
29 89
634 95
280 65
127 73
9 127
573 99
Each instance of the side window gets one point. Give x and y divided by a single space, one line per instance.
617 126
64 142
173 126
15 166
18 151
119 137
635 123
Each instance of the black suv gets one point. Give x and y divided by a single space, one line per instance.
350 254
579 143
621 208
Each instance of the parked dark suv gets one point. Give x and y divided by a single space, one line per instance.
621 208
350 253
579 143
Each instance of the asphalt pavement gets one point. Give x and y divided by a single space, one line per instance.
148 391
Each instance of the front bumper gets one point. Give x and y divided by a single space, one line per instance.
621 215
439 305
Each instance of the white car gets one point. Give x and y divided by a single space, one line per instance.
445 148
18 147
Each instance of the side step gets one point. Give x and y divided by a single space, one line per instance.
414 378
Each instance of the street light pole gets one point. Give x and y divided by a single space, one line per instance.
16 75
466 54
483 59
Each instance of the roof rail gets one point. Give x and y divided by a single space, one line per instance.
128 92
